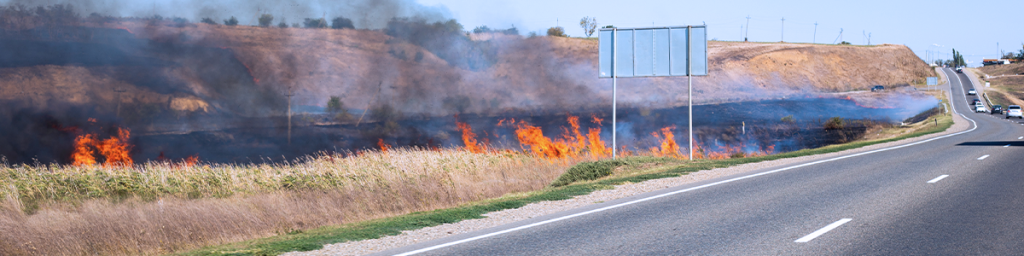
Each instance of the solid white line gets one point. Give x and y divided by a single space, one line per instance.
690 189
938 179
983 157
822 231
1007 145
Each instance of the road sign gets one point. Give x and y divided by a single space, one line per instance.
657 51
652 52
933 80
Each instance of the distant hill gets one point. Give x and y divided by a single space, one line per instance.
178 71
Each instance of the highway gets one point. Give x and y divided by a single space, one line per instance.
960 194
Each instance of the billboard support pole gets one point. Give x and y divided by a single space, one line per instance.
615 38
689 87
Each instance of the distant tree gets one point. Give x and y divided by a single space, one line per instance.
231 22
589 25
1020 55
556 31
208 21
266 20
511 31
342 22
315 23
1008 55
283 24
334 105
845 43
481 29
296 25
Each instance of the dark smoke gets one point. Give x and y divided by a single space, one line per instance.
370 14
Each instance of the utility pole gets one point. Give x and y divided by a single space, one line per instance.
815 38
783 37
119 90
745 36
290 94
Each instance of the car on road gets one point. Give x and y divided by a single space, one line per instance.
877 88
1014 111
959 69
980 108
972 92
997 109
975 102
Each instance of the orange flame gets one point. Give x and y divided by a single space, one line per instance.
469 138
116 149
533 137
83 154
384 147
669 147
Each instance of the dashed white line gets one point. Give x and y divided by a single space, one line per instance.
1007 145
983 157
937 179
1020 138
822 231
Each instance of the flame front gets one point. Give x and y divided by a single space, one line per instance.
116 150
83 154
469 138
669 147
383 146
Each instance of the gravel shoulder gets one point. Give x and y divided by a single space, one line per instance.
498 218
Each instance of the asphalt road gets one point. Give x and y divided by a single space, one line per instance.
960 194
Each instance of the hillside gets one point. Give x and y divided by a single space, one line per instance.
205 69
1007 83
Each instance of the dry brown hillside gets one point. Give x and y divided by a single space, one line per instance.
368 67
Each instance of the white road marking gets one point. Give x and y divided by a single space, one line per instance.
938 178
431 248
1020 138
822 231
1007 145
983 157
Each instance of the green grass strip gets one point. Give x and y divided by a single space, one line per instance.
314 239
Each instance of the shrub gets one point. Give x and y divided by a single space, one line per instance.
557 31
208 21
266 20
341 22
315 23
788 119
231 22
481 29
845 43
586 171
835 123
282 25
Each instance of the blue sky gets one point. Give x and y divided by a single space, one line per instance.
972 27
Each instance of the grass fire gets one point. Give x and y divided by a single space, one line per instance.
160 135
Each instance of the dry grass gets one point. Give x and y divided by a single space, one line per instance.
159 208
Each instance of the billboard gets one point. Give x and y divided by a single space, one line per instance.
652 52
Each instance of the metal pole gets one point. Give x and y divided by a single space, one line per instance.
615 75
689 77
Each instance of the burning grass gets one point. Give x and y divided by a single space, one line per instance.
162 207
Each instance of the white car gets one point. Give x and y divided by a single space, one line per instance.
1014 111
972 92
980 108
